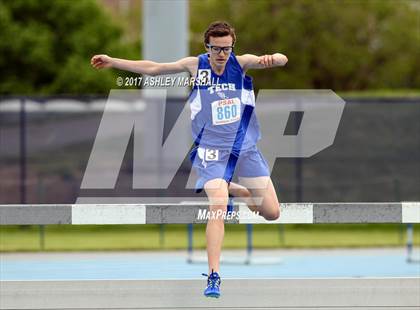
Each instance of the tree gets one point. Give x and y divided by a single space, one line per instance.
46 46
339 45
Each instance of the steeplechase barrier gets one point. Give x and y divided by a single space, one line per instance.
313 293
181 213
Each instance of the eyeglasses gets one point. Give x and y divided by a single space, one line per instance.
218 49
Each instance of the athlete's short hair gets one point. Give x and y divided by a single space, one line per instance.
219 29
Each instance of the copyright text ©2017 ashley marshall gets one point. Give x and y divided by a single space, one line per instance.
157 81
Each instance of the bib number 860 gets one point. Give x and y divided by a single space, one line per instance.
227 112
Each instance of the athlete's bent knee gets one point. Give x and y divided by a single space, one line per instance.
272 215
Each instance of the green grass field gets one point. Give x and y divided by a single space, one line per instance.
149 237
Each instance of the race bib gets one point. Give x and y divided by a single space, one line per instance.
226 111
203 77
211 155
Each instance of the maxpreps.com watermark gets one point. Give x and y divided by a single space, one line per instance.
205 215
159 81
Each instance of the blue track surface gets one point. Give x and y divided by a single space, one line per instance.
169 266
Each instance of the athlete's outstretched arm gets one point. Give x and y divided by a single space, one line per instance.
187 64
249 61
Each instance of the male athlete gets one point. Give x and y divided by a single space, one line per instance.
224 128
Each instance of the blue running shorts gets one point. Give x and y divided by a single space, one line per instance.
212 164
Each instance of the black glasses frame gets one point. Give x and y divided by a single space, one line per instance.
218 49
